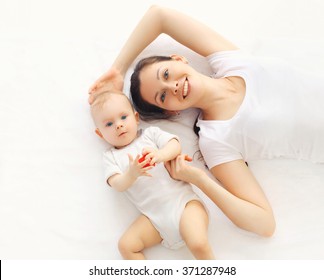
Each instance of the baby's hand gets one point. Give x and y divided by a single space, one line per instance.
137 168
142 158
152 155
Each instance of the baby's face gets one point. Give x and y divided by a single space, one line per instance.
117 121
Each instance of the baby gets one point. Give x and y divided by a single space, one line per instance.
171 212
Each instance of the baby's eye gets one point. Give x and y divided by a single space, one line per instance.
162 97
166 74
109 124
124 117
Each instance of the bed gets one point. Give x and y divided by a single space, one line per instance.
54 203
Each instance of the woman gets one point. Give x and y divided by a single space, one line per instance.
232 110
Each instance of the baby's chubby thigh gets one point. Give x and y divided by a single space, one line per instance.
170 218
194 225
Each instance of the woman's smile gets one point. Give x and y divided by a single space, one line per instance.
185 90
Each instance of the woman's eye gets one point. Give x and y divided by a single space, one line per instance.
166 74
123 117
109 124
163 95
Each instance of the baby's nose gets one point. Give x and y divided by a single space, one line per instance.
119 125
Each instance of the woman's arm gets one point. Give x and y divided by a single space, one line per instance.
182 28
158 20
241 199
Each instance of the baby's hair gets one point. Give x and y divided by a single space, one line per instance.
102 98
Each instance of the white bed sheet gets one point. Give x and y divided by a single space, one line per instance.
54 203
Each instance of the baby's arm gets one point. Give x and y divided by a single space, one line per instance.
168 152
122 181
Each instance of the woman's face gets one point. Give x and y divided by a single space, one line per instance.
171 85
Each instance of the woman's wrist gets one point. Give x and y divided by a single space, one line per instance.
118 69
199 178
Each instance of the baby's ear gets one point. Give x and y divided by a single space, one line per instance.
98 133
137 118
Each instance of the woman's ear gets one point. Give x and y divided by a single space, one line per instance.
98 133
179 58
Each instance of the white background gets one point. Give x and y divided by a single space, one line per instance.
53 201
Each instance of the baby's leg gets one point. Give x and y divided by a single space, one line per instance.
140 235
194 230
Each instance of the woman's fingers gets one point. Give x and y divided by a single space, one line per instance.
188 158
110 81
95 93
177 166
167 166
181 162
101 81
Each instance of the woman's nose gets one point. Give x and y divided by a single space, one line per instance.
175 89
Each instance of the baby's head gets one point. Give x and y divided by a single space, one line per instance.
115 118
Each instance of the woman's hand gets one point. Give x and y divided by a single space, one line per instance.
179 169
112 80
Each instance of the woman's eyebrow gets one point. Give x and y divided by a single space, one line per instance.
158 73
156 97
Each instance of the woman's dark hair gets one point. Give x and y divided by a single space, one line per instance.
146 110
196 128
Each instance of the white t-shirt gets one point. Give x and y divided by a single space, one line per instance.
281 114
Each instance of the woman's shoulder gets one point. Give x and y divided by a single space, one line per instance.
236 63
232 63
226 54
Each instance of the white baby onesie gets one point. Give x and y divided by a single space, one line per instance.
159 197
